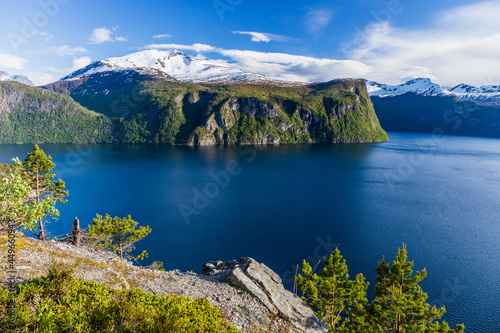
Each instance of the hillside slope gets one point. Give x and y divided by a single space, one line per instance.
239 306
35 115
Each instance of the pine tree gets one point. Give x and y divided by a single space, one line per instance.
118 234
400 304
38 171
335 299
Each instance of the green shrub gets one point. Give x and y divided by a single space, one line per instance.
59 302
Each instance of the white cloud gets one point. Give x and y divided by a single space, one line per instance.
461 45
39 78
66 50
279 65
45 35
80 63
197 47
103 35
163 36
77 63
317 20
10 61
263 37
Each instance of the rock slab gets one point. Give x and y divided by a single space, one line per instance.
264 284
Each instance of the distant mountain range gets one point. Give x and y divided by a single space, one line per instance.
4 76
486 95
422 106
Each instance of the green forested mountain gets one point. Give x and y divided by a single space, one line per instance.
133 108
35 115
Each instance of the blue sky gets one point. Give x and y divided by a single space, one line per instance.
389 41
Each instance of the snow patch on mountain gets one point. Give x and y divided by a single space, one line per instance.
4 76
172 64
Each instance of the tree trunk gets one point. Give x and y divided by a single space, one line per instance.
76 233
41 235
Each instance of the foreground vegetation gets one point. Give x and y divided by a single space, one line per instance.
399 305
59 302
29 194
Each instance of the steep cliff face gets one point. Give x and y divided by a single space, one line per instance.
334 112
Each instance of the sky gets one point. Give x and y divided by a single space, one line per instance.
388 41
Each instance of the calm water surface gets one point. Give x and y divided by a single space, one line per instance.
283 204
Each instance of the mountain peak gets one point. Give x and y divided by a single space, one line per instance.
4 76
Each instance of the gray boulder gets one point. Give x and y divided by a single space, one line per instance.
264 284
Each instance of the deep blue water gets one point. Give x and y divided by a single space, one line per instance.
440 196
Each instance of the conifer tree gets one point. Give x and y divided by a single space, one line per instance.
335 299
38 170
400 304
118 234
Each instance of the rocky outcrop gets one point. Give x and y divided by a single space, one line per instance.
260 281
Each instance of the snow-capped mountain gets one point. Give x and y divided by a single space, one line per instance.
478 94
4 76
425 87
171 65
417 86
468 89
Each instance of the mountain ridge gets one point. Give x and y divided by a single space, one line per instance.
423 86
